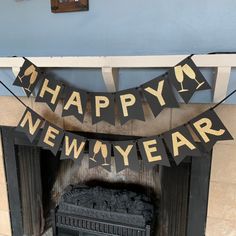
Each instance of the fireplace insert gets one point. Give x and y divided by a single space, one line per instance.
85 210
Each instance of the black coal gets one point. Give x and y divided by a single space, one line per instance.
112 200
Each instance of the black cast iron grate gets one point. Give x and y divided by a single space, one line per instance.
101 211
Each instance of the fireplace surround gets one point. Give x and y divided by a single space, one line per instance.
183 198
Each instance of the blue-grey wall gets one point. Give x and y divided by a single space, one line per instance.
117 27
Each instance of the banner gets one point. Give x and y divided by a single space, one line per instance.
128 154
175 144
185 77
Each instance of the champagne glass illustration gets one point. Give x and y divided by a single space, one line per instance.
31 70
180 77
191 74
33 78
104 154
96 149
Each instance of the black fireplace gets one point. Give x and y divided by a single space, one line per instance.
179 208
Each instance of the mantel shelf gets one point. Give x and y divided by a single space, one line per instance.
212 60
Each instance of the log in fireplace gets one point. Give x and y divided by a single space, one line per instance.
180 207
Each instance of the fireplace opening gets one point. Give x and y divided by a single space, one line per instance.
46 184
41 188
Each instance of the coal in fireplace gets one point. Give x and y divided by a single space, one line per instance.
85 210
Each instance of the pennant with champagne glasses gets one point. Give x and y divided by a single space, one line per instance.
100 154
187 79
28 77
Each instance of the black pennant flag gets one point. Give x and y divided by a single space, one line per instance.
100 154
187 79
28 77
159 94
153 151
73 147
30 124
209 128
125 153
51 137
103 107
180 143
129 105
50 92
75 103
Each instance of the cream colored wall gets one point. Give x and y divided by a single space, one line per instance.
221 219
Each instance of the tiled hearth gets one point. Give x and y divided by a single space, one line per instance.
222 202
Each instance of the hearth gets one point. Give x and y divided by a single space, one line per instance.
180 194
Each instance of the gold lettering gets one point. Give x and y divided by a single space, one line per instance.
178 141
53 92
74 100
203 126
149 149
101 102
50 134
73 146
157 93
126 101
28 119
124 153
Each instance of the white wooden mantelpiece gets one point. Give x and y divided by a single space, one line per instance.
213 60
110 64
